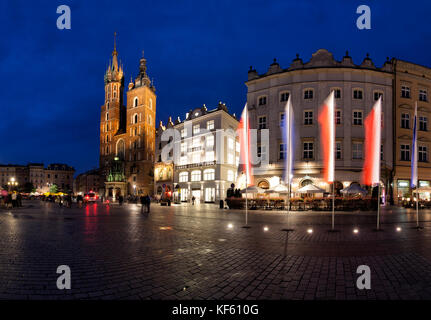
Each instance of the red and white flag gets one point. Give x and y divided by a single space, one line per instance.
244 140
327 137
373 124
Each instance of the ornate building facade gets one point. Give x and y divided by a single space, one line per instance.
208 157
356 87
127 132
412 85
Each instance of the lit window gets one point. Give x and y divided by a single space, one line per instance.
196 175
238 147
209 174
210 125
184 176
230 143
209 156
183 133
196 129
230 158
196 158
230 176
184 147
209 140
183 160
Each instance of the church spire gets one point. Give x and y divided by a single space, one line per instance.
115 54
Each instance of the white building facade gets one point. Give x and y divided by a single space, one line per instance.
204 155
356 88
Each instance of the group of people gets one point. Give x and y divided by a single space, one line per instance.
11 200
145 202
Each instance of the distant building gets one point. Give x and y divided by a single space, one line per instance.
40 177
208 156
412 84
356 87
88 181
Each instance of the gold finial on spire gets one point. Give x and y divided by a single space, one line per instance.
115 40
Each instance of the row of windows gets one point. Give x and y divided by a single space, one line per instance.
136 103
357 151
405 153
308 151
208 175
308 94
422 123
197 128
308 118
406 93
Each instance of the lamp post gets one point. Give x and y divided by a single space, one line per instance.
134 189
12 183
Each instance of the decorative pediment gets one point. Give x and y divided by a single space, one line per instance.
321 58
405 107
423 139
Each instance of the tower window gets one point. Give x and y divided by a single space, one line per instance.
107 116
135 102
135 118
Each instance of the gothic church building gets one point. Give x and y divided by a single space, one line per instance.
127 132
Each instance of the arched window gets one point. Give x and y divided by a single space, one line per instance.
135 118
107 127
120 149
107 138
107 106
263 184
107 149
135 102
306 182
107 116
209 174
150 104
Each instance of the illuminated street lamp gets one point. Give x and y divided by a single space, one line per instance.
134 189
12 183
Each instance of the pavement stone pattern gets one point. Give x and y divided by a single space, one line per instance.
189 252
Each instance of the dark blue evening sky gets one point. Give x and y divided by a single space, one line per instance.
197 52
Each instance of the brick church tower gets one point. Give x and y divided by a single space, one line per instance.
127 134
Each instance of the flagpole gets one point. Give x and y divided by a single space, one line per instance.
246 198
333 205
378 206
417 208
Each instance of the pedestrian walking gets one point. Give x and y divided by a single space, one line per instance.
148 203
143 203
193 200
19 200
14 202
79 199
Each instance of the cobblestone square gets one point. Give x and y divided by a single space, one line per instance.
202 252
